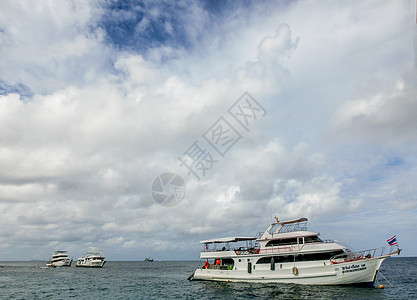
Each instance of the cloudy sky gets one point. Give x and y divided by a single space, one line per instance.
98 98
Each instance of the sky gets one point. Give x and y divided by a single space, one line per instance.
296 109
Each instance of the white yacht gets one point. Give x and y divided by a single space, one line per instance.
93 259
288 253
59 259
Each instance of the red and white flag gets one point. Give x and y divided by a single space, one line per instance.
392 241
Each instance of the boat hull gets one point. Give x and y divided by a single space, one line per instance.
98 264
62 263
360 272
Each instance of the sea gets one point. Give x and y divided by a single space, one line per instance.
168 280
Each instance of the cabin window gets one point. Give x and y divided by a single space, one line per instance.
228 261
312 239
282 242
301 257
317 256
277 259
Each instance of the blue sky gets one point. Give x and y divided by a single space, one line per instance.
99 98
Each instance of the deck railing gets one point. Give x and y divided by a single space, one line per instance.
350 255
240 249
284 249
217 267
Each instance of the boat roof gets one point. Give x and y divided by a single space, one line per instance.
93 251
292 221
94 254
228 240
292 234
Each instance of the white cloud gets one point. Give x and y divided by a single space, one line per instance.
49 45
102 124
317 198
273 48
386 117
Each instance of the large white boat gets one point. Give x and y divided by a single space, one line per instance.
288 253
59 259
93 259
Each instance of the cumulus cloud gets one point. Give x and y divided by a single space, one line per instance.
386 117
273 53
275 48
48 45
89 119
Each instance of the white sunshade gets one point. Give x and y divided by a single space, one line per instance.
227 240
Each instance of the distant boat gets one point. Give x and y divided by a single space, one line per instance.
149 259
92 259
59 259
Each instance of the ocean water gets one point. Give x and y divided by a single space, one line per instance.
168 280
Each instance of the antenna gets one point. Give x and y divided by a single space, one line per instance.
269 203
415 40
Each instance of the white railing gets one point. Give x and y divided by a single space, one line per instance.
350 255
246 251
284 249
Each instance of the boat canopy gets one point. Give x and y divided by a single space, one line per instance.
293 221
228 240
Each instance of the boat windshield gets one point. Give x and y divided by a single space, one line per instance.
274 227
228 246
291 227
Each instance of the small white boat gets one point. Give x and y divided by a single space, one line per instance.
288 253
59 259
92 259
149 259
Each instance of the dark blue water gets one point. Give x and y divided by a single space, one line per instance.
168 280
